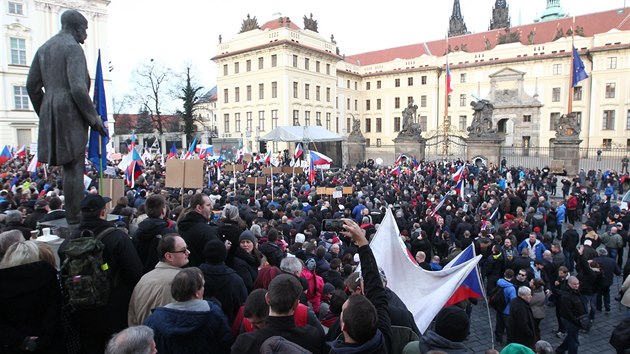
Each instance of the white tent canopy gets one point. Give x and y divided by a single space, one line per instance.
304 134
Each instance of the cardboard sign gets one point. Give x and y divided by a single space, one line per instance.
256 180
184 173
291 170
113 188
233 167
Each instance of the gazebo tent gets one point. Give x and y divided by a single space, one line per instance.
304 134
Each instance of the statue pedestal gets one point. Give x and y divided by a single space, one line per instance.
486 148
411 146
566 153
355 150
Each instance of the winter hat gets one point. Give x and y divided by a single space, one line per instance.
247 235
328 288
256 230
588 243
515 348
300 238
214 252
452 323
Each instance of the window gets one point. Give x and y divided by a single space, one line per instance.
306 63
295 90
261 121
610 90
236 68
553 118
327 69
237 94
274 89
368 125
348 84
367 105
367 85
378 84
462 123
225 96
356 85
462 100
249 121
378 103
378 142
607 144
555 94
611 63
18 51
348 103
356 105
423 79
307 91
318 96
296 117
20 97
578 116
225 70
328 121
526 142
237 122
327 94
396 124
423 101
527 118
261 63
15 8
397 83
295 59
367 142
307 117
608 122
379 125
348 125
318 118
397 103
274 118
274 60
409 100
557 69
462 78
423 123
248 65
337 124
410 81
628 121
249 92
261 91
226 122
577 93
317 65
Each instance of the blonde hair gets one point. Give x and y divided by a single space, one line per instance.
46 254
20 253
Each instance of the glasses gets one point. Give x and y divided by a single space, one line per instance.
183 250
523 275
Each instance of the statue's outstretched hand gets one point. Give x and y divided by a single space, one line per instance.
100 128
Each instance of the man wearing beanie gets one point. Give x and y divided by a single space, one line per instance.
222 282
451 329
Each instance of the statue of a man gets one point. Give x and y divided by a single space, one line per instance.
58 85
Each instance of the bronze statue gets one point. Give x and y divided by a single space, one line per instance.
482 119
249 24
310 23
58 84
568 126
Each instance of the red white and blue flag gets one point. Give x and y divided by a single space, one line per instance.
317 159
21 152
191 150
134 170
298 151
133 140
5 155
448 79
172 152
395 171
459 174
471 287
438 206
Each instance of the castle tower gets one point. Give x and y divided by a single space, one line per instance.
456 26
500 15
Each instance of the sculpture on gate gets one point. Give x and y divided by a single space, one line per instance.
482 119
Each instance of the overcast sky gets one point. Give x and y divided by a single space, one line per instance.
187 31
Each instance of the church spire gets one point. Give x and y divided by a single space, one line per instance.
500 15
457 27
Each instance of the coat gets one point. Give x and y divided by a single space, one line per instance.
308 337
226 286
521 323
152 291
146 241
65 109
196 231
246 266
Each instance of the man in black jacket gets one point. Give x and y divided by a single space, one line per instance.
194 228
151 229
570 240
521 319
571 308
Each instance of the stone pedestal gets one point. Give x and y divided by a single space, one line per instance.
566 154
354 150
486 148
410 146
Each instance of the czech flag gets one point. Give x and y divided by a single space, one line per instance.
191 150
448 79
133 140
205 152
459 174
317 159
21 152
437 207
172 153
268 157
471 286
134 170
5 155
395 171
298 151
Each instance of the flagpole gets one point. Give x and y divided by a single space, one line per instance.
570 105
446 93
271 173
234 175
100 162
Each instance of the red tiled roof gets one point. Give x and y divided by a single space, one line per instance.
600 22
278 23
133 118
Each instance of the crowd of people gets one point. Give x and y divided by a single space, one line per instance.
244 268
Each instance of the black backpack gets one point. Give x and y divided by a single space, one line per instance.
84 274
620 337
496 299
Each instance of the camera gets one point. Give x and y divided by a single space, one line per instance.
333 225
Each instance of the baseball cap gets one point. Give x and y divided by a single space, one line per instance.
41 204
94 202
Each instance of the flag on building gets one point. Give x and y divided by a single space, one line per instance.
471 287
579 73
172 153
98 155
298 151
191 150
21 152
5 155
448 78
134 170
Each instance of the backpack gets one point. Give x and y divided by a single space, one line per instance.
496 299
84 274
620 337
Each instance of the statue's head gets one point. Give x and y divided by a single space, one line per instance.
74 22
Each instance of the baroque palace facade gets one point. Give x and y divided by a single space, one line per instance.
279 74
26 25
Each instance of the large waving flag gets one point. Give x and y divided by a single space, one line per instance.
579 73
5 155
471 287
424 292
298 151
96 155
134 170
21 152
191 150
459 174
440 204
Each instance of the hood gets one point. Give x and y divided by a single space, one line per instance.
25 278
371 346
503 283
150 227
173 322
218 276
437 342
190 220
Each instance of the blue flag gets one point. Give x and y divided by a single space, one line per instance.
99 160
579 73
